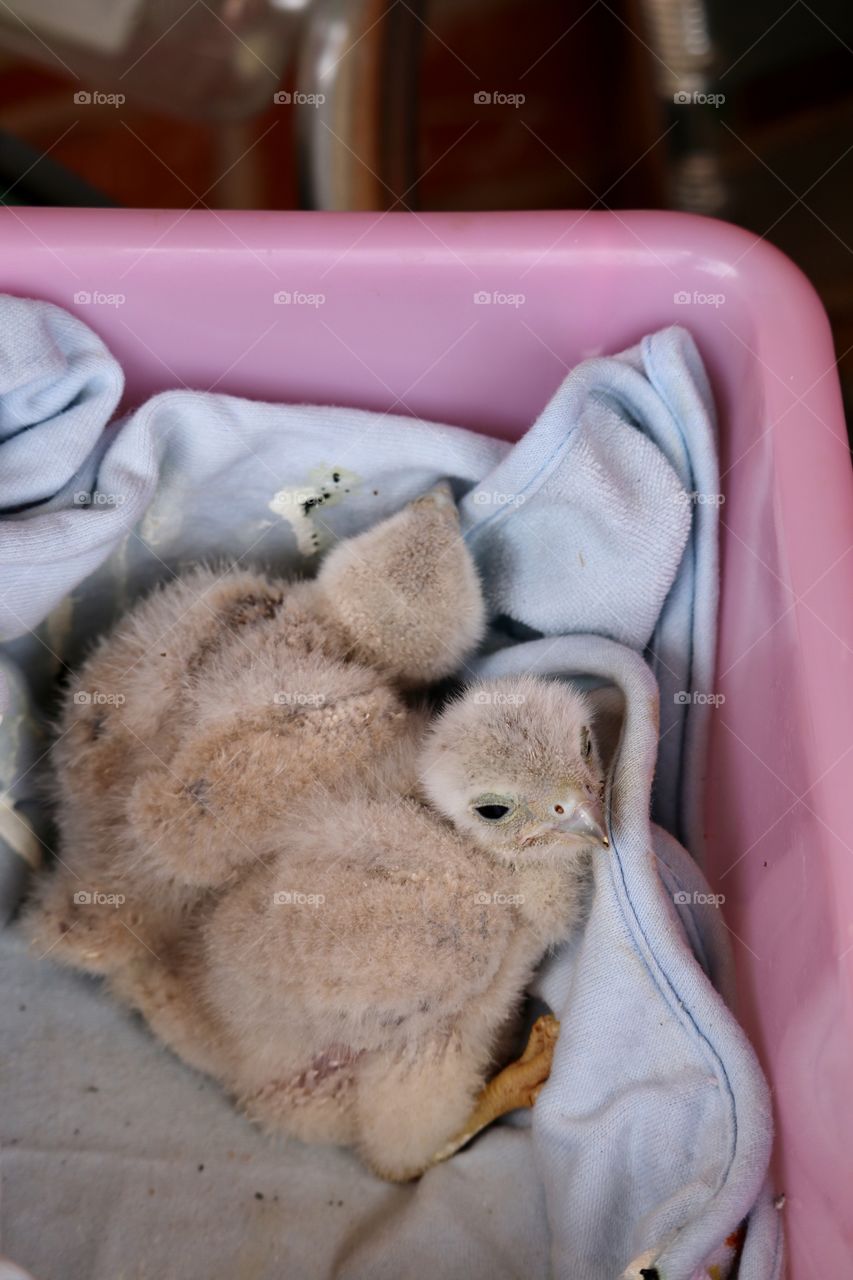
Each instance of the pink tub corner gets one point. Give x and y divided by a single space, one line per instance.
194 302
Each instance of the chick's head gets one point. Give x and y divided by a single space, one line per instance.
515 766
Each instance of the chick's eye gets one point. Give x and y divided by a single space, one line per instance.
492 812
586 743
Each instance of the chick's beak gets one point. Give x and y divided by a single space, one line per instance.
579 816
584 819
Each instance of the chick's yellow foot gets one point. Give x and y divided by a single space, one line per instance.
525 1077
518 1085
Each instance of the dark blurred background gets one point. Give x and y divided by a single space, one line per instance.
740 111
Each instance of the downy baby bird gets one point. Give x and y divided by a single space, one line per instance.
217 701
355 985
333 907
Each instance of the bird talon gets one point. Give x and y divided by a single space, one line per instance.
520 1084
543 1037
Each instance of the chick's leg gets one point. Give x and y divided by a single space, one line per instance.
518 1085
409 1105
418 1112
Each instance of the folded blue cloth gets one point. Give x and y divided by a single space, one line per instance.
654 1129
596 538
586 526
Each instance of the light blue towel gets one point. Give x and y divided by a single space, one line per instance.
651 1140
655 1125
597 461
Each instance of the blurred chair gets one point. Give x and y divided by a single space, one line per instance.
684 64
355 64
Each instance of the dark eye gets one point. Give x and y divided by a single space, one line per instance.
586 743
492 812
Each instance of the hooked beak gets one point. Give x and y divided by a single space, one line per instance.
582 819
585 820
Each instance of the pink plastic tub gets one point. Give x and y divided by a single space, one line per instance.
390 312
